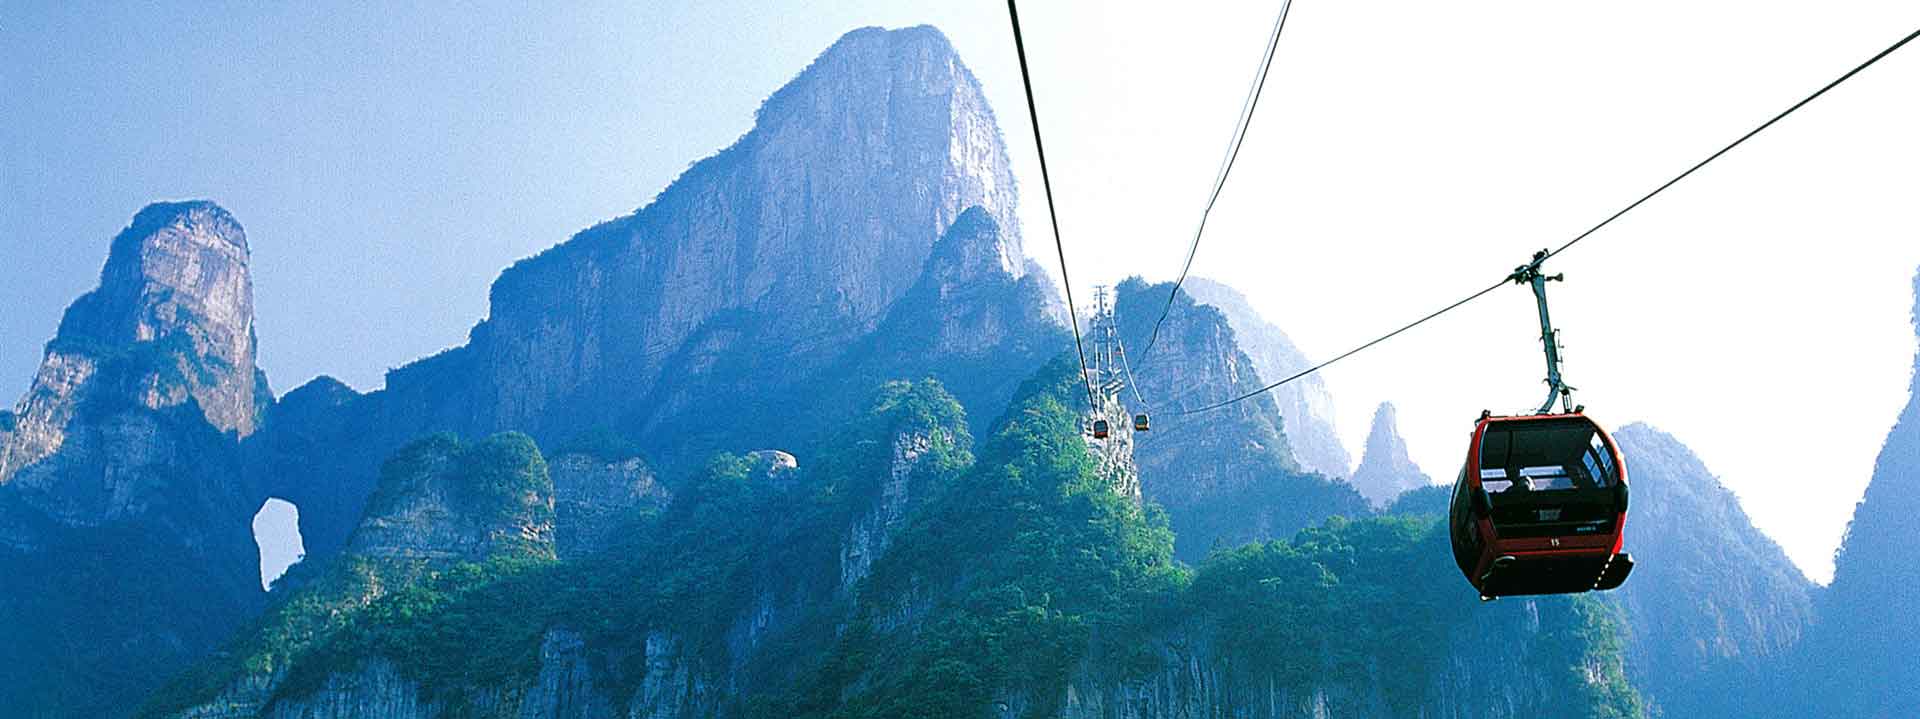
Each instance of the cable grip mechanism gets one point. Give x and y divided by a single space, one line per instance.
1557 387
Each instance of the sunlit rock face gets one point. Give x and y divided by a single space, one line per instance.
809 229
863 230
441 501
124 506
172 317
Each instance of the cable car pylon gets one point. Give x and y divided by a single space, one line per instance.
1109 371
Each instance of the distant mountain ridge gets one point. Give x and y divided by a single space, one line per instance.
1305 404
1229 476
718 458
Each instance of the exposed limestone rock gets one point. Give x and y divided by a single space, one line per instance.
593 496
872 532
172 320
775 465
1114 454
1227 476
1385 469
1305 403
1857 659
820 216
727 312
439 500
1746 604
673 688
1486 674
123 506
564 688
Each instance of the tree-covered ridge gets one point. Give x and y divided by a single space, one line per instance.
690 570
1370 602
1030 587
499 484
1002 582
1229 476
1019 578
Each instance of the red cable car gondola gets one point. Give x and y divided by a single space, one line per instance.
1542 499
1539 507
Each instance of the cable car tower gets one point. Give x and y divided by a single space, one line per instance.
1106 372
1109 371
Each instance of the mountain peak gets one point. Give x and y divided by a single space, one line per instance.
176 280
973 247
1385 469
176 263
822 216
170 324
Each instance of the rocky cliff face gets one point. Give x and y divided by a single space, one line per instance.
1712 601
897 572
123 508
1385 470
633 652
594 496
445 515
1305 404
965 321
441 501
1228 476
808 229
170 324
1497 663
1856 657
734 307
872 531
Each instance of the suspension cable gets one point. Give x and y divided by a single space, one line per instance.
1348 353
1220 180
1131 384
1736 143
1033 114
1603 223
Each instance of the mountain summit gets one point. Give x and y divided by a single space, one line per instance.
123 506
170 323
1385 469
808 229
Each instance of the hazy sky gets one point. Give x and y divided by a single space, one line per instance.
387 164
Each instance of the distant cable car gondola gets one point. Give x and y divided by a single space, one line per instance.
1140 422
1099 429
1542 499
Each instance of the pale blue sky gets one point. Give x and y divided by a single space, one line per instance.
387 165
